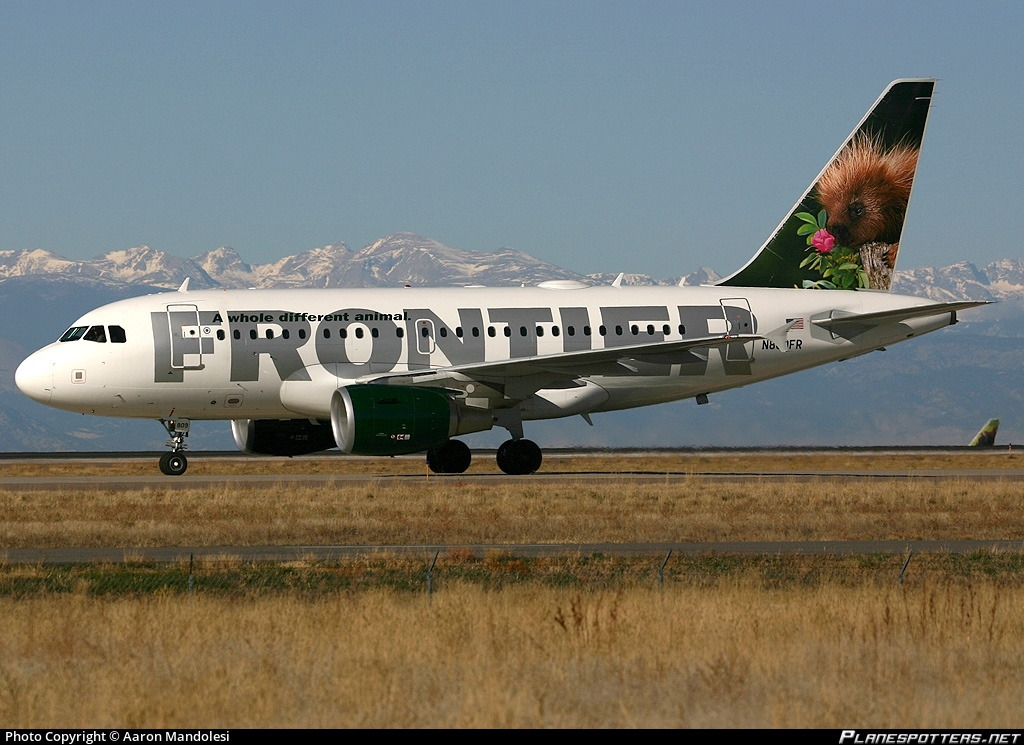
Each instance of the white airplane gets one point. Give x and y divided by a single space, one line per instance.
404 370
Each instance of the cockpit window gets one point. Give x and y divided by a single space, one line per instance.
74 333
95 333
117 335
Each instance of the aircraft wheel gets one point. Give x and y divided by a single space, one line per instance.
173 464
519 457
450 457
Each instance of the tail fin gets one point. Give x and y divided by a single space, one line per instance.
986 436
844 233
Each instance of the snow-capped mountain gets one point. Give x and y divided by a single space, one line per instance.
133 266
393 261
1000 280
405 258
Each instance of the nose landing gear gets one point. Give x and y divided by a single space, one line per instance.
174 463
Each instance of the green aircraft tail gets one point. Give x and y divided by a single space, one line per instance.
844 233
987 435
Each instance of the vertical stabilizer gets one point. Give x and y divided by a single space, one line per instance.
844 232
986 435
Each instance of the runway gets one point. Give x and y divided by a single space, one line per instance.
178 554
158 481
145 476
138 471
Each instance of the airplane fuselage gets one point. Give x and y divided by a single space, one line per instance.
280 353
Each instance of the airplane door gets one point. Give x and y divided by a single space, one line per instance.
738 320
186 336
424 336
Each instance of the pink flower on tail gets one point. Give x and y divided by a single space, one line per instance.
823 241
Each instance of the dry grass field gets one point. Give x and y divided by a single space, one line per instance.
504 642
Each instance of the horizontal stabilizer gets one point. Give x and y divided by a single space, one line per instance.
882 317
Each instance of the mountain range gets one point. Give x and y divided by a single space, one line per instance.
938 389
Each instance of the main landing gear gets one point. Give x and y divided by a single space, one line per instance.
515 457
519 457
174 463
450 457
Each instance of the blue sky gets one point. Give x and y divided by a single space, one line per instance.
652 137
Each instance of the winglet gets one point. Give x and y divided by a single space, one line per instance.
184 286
844 232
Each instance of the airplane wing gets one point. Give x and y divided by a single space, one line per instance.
566 364
879 318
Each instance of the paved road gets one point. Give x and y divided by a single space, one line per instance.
655 550
156 480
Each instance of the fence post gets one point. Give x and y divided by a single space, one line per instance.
661 570
905 563
430 575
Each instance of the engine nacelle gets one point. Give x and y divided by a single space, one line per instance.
282 436
397 420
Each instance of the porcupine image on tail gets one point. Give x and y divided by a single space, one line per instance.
865 192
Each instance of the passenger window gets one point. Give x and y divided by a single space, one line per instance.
220 334
400 332
490 330
95 333
117 334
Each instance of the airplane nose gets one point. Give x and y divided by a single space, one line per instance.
34 377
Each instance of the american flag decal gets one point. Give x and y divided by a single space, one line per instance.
799 323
